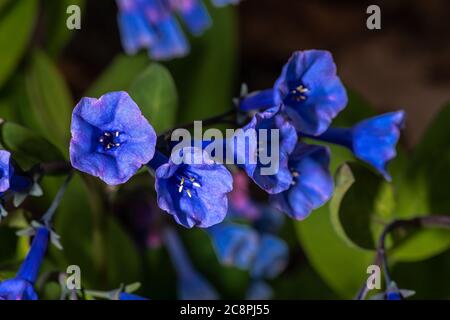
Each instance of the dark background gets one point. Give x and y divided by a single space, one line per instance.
404 65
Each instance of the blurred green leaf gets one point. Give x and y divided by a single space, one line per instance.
50 100
431 160
16 27
429 278
122 255
358 204
74 222
9 241
205 78
122 71
155 93
26 144
342 267
435 141
424 244
57 34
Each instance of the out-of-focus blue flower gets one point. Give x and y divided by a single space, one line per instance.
259 290
191 285
372 140
21 287
194 14
111 139
249 156
151 24
194 191
308 90
271 258
130 296
235 245
312 185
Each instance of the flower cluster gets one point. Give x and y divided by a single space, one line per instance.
112 140
151 24
307 96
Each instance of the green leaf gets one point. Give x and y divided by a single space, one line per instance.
16 26
205 78
28 145
155 93
424 244
74 222
435 140
57 34
122 255
122 71
361 201
342 267
50 101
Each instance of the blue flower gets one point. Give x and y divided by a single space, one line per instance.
130 296
6 170
111 139
259 290
372 140
135 31
312 185
308 90
194 14
191 285
235 245
249 156
152 24
21 287
193 191
271 258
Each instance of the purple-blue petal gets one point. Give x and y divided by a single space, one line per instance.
268 120
313 185
5 170
203 205
235 245
375 139
112 113
271 258
194 14
312 110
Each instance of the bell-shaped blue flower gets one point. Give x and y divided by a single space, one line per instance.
312 185
194 190
191 284
271 258
265 161
135 31
111 139
372 140
152 24
235 245
308 90
194 14
21 287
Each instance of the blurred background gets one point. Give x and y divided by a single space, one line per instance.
405 65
